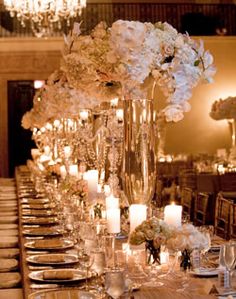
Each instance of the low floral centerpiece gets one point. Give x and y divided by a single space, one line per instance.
155 233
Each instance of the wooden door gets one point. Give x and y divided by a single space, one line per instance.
20 100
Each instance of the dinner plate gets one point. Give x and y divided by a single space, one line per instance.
35 206
205 272
53 259
52 294
39 220
34 200
45 213
78 275
42 231
49 244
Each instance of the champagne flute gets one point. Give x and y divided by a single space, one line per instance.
229 257
115 282
86 260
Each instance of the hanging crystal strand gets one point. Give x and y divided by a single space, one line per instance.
115 126
113 158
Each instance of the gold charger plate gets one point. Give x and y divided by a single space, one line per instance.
42 231
53 259
39 220
50 244
55 294
32 212
78 275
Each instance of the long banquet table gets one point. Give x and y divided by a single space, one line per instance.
196 287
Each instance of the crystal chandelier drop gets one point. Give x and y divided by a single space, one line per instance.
44 15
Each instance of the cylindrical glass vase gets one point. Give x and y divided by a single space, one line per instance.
139 163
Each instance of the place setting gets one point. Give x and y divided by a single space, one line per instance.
49 244
39 220
57 259
41 231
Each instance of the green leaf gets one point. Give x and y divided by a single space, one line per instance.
196 63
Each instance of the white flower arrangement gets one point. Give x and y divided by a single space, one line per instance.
129 53
186 237
120 61
56 99
224 109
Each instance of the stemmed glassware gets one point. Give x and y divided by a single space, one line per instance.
208 232
228 257
86 261
115 282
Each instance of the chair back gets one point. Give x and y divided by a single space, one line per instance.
188 178
222 216
187 196
201 209
233 221
228 182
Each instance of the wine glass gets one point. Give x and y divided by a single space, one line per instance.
228 257
86 261
115 282
208 232
99 262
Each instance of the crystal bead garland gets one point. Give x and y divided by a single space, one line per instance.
139 170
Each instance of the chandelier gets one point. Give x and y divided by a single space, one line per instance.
44 15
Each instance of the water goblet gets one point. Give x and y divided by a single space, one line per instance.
115 282
98 267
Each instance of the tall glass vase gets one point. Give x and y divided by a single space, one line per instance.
139 163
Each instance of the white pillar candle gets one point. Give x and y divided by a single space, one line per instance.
47 150
137 214
164 257
91 176
99 190
63 171
104 214
84 115
112 202
73 170
173 215
67 151
113 221
114 102
107 190
120 114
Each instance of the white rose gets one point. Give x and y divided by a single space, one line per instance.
173 113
